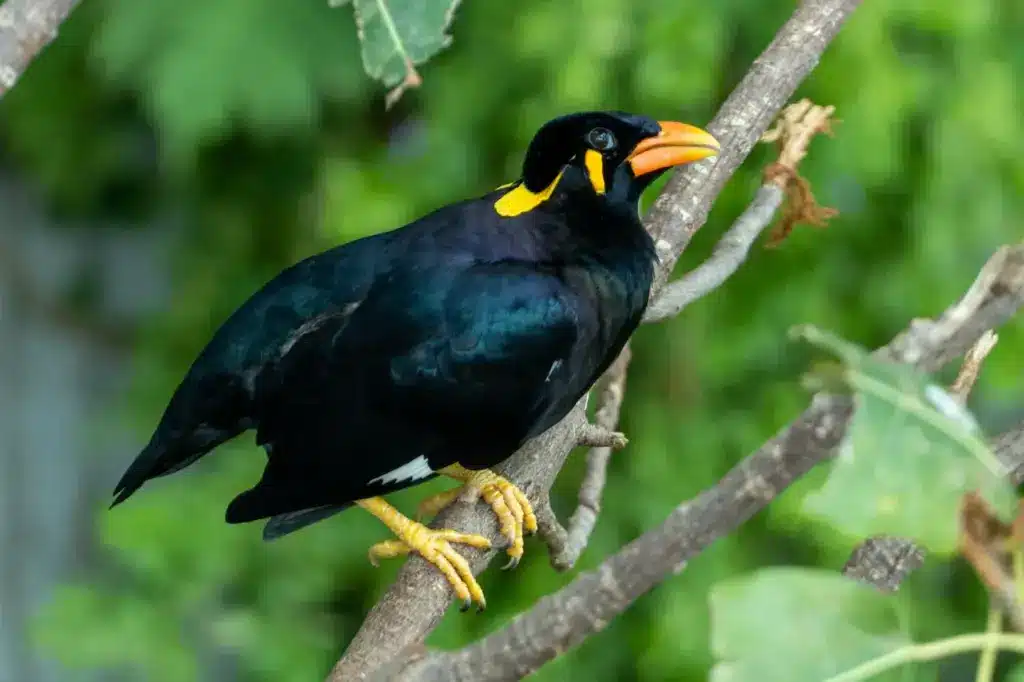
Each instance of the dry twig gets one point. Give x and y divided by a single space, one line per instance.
797 125
985 541
971 367
793 132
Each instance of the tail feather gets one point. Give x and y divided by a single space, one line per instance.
283 524
160 458
145 466
287 508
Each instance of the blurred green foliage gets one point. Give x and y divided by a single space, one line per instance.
824 613
911 453
255 123
909 467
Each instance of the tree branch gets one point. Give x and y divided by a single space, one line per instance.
26 27
415 603
682 208
566 546
883 562
561 621
797 126
729 253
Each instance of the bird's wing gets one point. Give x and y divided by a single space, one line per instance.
215 400
505 332
373 402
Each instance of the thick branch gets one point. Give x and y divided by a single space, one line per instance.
564 619
26 27
414 604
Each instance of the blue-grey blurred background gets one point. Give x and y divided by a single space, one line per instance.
164 158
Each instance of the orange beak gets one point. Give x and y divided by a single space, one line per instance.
676 144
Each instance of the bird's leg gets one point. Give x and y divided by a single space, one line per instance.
513 509
432 506
433 545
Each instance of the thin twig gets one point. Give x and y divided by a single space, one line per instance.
796 127
971 368
987 660
562 620
566 546
729 253
985 542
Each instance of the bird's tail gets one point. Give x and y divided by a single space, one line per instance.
285 505
283 524
156 459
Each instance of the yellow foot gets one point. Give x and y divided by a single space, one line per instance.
510 504
432 506
433 545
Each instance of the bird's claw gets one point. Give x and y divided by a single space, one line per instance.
513 509
436 547
510 504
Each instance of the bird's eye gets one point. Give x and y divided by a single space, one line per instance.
601 139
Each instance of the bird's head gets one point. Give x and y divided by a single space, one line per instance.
614 154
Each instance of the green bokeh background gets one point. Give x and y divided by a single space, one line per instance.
272 144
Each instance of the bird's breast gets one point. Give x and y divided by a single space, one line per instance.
612 298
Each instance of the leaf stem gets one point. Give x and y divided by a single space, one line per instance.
912 405
987 660
931 651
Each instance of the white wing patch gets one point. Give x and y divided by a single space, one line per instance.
555 366
415 470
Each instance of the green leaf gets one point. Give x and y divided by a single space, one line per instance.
1016 674
798 625
911 453
205 67
399 34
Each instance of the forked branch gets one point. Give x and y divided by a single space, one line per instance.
415 603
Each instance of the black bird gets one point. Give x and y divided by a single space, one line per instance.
437 348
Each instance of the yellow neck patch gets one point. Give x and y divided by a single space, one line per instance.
595 169
520 200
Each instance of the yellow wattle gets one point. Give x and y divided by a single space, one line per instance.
595 169
520 200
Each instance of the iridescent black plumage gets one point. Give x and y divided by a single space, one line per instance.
369 367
